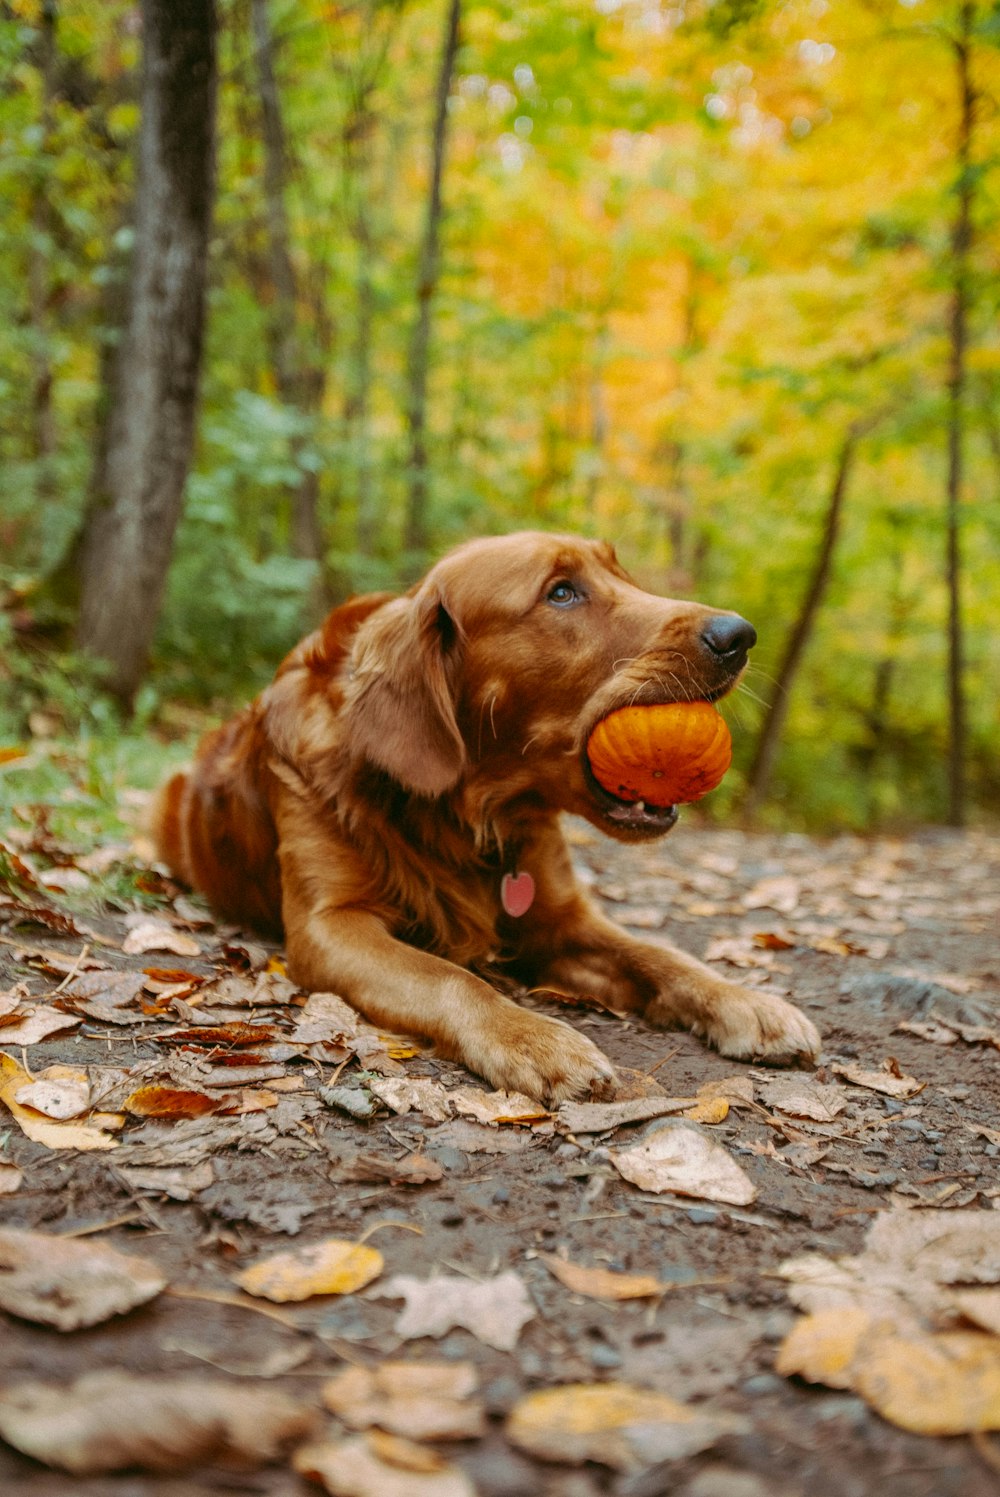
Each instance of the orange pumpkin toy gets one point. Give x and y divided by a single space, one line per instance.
664 754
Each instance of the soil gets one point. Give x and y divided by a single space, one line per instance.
854 930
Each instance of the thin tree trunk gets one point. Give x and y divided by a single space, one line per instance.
129 531
416 530
43 426
958 317
300 379
766 748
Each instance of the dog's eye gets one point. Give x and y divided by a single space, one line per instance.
563 594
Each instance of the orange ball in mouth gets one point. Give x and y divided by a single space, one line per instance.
664 754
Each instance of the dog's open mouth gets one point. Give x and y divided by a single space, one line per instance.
629 815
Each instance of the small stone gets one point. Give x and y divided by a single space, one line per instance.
500 1196
762 1384
604 1357
700 1217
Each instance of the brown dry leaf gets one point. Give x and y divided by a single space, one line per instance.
495 1107
179 1183
600 1117
781 893
420 1095
68 1283
736 1090
238 1034
11 1179
111 1421
106 986
39 1021
173 1102
888 1081
615 1424
155 935
799 1097
602 1283
421 1400
494 1310
415 1169
738 951
822 1348
53 1135
355 1468
329 1267
678 1157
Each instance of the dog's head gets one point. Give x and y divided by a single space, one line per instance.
493 671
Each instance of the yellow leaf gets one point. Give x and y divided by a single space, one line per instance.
615 1423
330 1267
602 1283
52 1135
822 1347
933 1385
709 1110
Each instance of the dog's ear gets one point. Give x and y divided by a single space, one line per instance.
399 709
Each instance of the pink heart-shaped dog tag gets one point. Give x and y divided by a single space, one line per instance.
517 892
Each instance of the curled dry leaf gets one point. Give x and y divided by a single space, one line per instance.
359 1467
495 1107
59 1098
37 1023
799 1097
155 935
494 1310
708 1110
602 1283
69 1283
614 1424
179 1183
678 1157
110 1421
419 1095
599 1117
421 1400
889 1082
330 1267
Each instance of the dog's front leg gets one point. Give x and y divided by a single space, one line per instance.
567 943
352 953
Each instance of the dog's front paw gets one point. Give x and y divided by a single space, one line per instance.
545 1059
752 1025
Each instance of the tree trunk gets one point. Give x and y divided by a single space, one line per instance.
300 378
43 429
416 531
129 531
766 748
958 316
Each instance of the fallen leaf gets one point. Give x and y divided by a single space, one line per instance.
11 1179
68 1283
111 1421
801 1098
600 1117
495 1107
53 1135
678 1157
329 1267
414 1169
155 935
353 1468
179 1183
944 1384
421 1400
884 1081
403 1095
614 1424
981 1306
494 1310
39 1022
781 893
602 1283
708 1110
173 1102
55 1099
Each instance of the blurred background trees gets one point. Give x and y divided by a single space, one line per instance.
717 281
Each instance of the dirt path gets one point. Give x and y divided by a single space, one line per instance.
866 935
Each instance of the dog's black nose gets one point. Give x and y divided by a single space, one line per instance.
728 635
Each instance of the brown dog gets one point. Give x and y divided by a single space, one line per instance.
392 803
